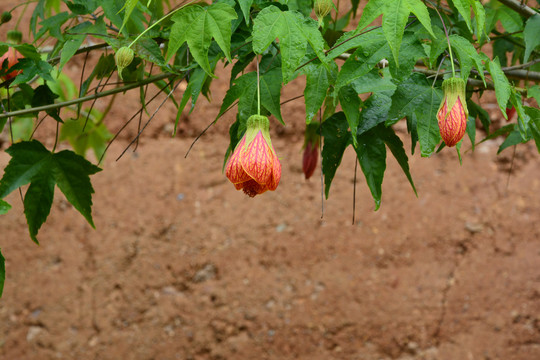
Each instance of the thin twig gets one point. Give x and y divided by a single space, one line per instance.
511 167
150 119
36 127
354 191
202 133
520 8
88 97
56 136
95 100
129 121
522 66
292 99
321 160
140 115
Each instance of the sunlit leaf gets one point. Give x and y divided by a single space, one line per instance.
294 33
197 25
464 9
4 207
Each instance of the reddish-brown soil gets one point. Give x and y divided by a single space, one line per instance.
183 266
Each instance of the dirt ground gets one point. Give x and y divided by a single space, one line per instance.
183 266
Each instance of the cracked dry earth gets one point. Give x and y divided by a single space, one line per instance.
182 266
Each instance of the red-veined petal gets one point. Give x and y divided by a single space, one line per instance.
233 169
257 159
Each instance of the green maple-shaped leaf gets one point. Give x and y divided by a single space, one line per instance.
372 49
534 125
464 9
532 40
502 85
86 134
350 103
336 139
294 32
197 25
372 10
245 91
4 207
318 79
417 98
480 18
31 163
245 6
396 14
467 55
394 143
129 6
371 154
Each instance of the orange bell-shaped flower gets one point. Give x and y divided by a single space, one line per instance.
453 122
254 166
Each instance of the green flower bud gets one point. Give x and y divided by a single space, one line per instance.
5 17
123 57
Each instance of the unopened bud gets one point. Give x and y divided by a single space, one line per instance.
453 114
322 8
123 57
312 140
5 17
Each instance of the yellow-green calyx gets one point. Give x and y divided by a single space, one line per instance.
123 57
322 8
256 123
14 37
454 88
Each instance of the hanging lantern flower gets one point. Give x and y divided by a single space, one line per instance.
253 166
453 122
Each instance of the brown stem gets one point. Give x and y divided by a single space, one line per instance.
519 7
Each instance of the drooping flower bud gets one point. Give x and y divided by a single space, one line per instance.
453 113
311 148
123 57
5 17
510 113
322 8
253 166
